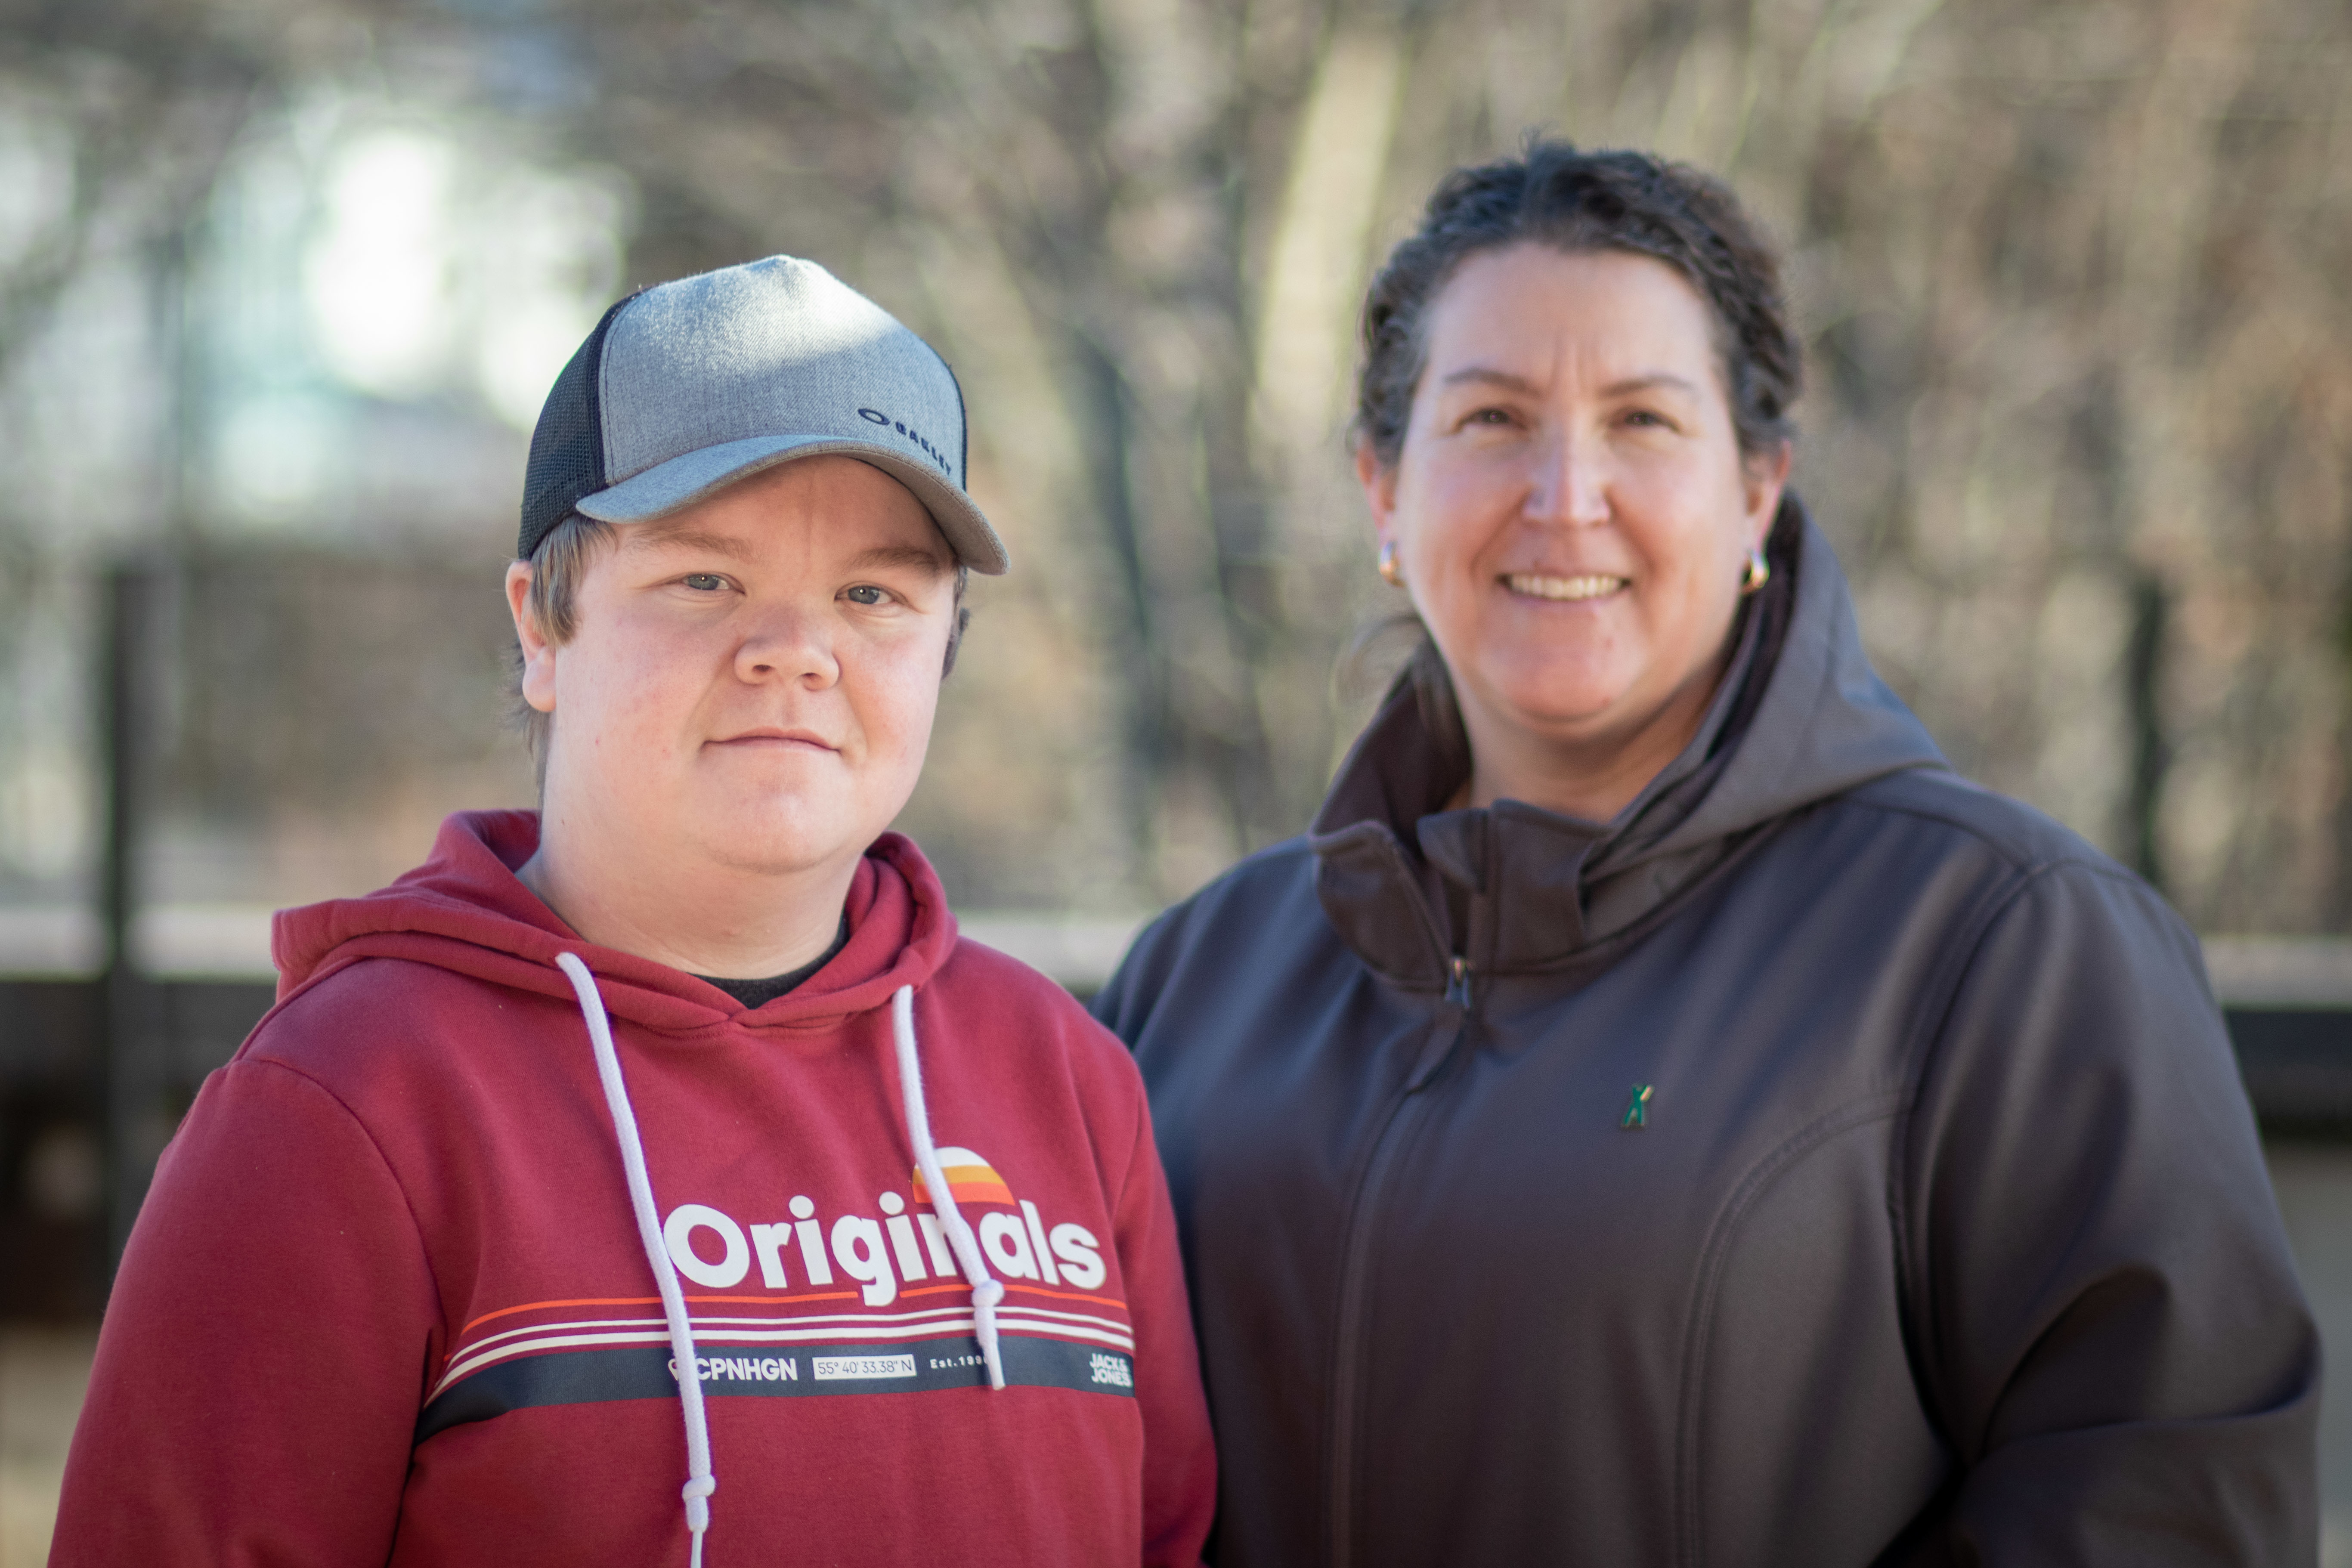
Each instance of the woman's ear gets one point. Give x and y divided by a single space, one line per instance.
1379 480
1764 480
538 653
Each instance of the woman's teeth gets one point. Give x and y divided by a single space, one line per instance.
1539 587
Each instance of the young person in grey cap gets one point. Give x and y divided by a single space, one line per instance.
659 1177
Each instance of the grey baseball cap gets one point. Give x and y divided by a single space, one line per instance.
686 387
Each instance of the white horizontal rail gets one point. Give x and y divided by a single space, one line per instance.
231 941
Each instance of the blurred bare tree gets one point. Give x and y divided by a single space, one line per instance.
1072 198
2070 272
115 122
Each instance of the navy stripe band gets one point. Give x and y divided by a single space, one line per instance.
642 1372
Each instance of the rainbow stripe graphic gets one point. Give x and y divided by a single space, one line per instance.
970 1180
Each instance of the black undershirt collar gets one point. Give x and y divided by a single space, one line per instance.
759 993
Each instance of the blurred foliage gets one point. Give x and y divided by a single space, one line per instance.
2071 273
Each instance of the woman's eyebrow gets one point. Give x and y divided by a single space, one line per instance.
1489 376
1648 380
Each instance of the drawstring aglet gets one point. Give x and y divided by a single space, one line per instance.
985 1296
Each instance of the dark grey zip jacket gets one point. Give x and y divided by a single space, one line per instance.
1828 1162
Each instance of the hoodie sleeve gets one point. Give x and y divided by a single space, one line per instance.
1180 1461
2102 1293
259 1371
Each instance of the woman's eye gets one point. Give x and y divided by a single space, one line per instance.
704 582
1491 417
865 593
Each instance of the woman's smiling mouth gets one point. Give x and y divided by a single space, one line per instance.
1536 585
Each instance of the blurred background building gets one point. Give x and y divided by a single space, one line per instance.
282 283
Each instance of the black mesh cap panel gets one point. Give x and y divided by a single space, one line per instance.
567 447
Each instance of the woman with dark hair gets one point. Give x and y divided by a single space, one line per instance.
1659 1113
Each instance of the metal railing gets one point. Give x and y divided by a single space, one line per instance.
99 1059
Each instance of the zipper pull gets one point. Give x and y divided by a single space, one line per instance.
1457 984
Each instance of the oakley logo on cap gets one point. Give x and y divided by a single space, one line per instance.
878 417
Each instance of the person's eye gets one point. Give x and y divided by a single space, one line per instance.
1649 419
704 582
1491 417
866 594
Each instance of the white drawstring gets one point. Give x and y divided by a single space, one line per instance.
700 1483
986 1291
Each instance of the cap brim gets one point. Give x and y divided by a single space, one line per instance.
680 482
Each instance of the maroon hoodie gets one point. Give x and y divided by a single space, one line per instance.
387 1301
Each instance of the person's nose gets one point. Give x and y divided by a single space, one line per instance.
1569 485
787 643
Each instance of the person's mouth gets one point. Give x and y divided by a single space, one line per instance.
1588 585
780 740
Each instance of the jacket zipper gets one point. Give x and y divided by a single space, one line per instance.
1355 1264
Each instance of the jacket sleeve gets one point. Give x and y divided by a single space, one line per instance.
2107 1313
259 1368
1180 1460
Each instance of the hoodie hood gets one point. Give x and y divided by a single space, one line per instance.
1799 717
465 910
